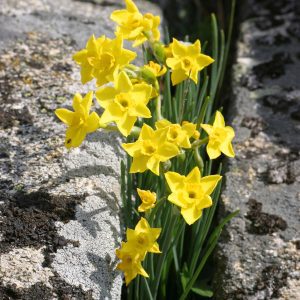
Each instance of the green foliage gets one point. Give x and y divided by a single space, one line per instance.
176 272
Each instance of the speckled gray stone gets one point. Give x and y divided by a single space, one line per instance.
37 75
258 255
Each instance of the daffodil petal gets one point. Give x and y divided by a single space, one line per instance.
212 151
167 151
153 165
205 202
208 128
175 181
86 73
194 176
65 115
227 149
178 76
141 110
105 94
174 198
219 120
155 248
139 164
125 124
74 137
203 61
230 132
190 215
179 49
132 148
162 123
77 102
173 62
123 83
146 132
195 49
130 6
93 122
209 183
109 114
80 56
87 101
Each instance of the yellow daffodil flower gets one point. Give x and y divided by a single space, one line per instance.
191 193
196 133
130 262
176 134
220 137
149 150
124 102
143 238
101 58
80 122
156 69
134 26
148 200
186 61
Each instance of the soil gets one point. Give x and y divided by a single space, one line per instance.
61 290
28 219
263 223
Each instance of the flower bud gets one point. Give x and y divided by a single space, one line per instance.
166 166
159 52
181 156
147 75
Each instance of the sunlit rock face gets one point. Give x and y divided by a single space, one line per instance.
59 210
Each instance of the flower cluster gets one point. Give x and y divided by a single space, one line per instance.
131 101
140 241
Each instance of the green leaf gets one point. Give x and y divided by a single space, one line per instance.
184 276
203 292
212 242
203 289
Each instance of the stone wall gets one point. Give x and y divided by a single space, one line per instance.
59 210
258 256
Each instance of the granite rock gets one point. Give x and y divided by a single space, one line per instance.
258 256
61 208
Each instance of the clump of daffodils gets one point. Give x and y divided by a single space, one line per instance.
170 153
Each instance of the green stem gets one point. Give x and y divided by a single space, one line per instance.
198 143
198 159
158 103
165 250
199 269
158 108
148 289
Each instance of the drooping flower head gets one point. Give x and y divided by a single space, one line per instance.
134 26
191 193
124 102
101 58
80 122
220 137
176 134
130 262
156 69
186 61
149 150
148 200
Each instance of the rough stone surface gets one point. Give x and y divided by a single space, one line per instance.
23 267
258 256
59 210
